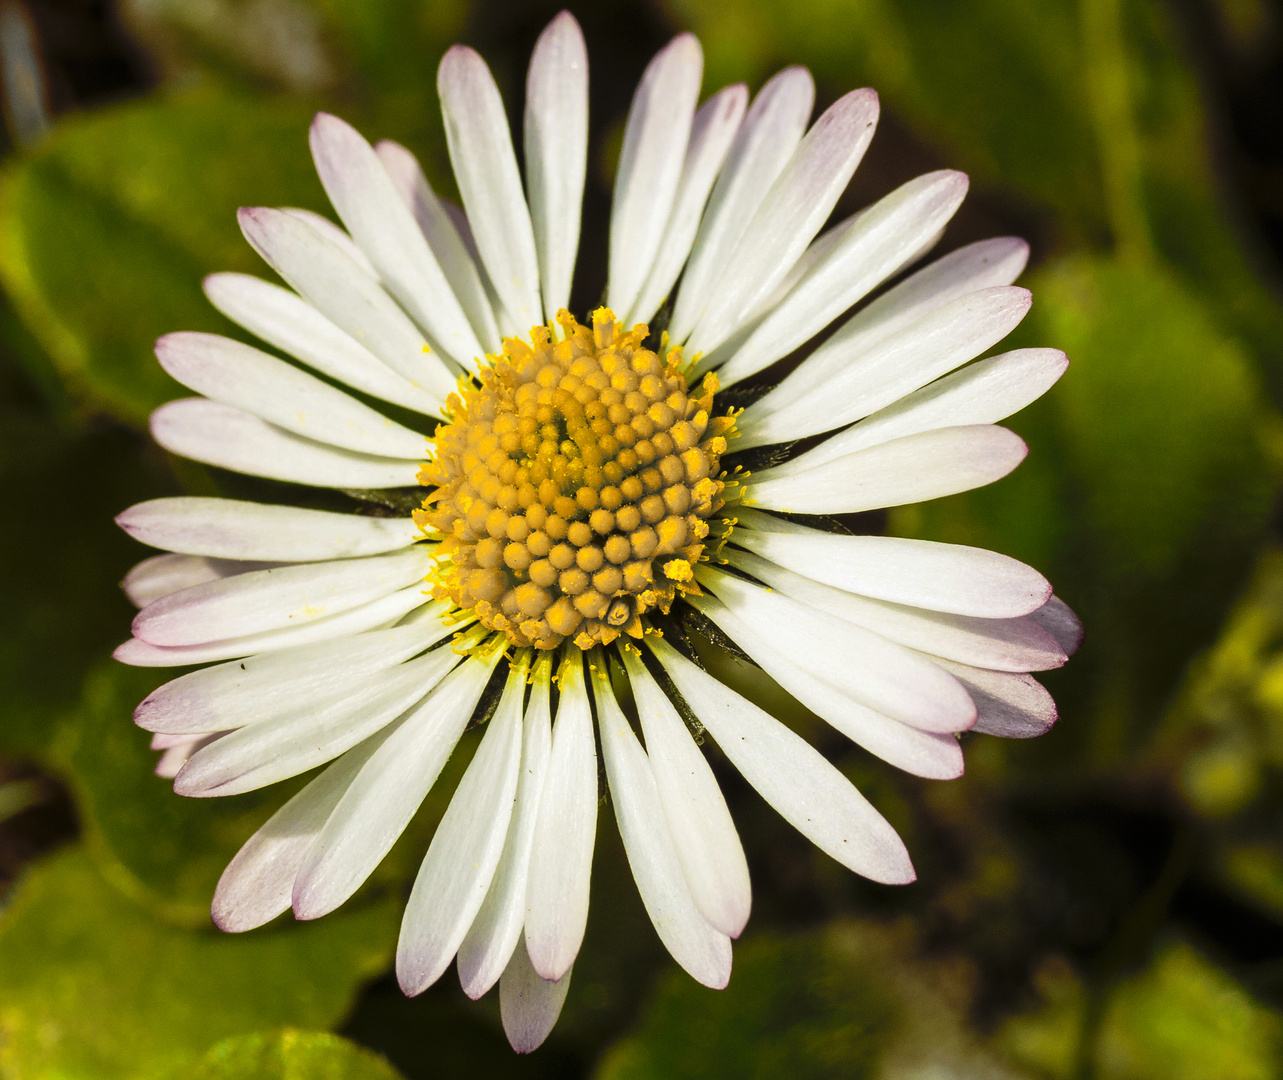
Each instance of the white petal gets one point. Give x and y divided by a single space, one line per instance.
528 1004
220 435
233 529
242 692
177 755
704 952
911 469
507 325
872 248
793 777
246 378
1001 644
485 168
443 238
293 742
712 130
556 150
461 860
981 393
380 222
789 217
923 753
1056 617
330 231
762 148
708 847
289 323
140 653
257 883
324 275
1008 704
862 665
650 166
386 793
164 574
262 600
846 381
496 931
561 856
920 573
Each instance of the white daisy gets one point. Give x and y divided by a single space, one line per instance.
580 507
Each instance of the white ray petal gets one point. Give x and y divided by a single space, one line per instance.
712 130
176 756
218 434
561 856
920 573
650 166
913 468
161 575
529 1005
934 755
385 794
443 238
460 864
507 325
1008 704
556 152
1058 619
289 323
485 168
234 529
242 692
840 383
328 279
704 952
701 828
1001 644
981 393
872 248
333 232
766 140
810 794
789 217
262 600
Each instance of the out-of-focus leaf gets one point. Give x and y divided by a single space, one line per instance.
291 1055
108 228
93 987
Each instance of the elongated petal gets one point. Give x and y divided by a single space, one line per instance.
324 275
287 321
271 599
529 1004
556 151
838 384
460 864
453 256
488 947
386 793
707 844
233 529
712 130
561 856
792 776
770 133
1058 619
161 575
334 233
789 217
911 469
485 168
981 393
220 435
242 692
704 952
873 247
1008 704
380 612
920 573
650 166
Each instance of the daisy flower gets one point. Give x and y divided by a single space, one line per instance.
589 498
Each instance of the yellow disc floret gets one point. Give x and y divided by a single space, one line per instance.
573 485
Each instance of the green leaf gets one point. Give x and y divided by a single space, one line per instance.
93 987
291 1055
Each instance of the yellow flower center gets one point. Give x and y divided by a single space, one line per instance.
573 485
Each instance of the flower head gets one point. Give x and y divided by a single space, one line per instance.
580 511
